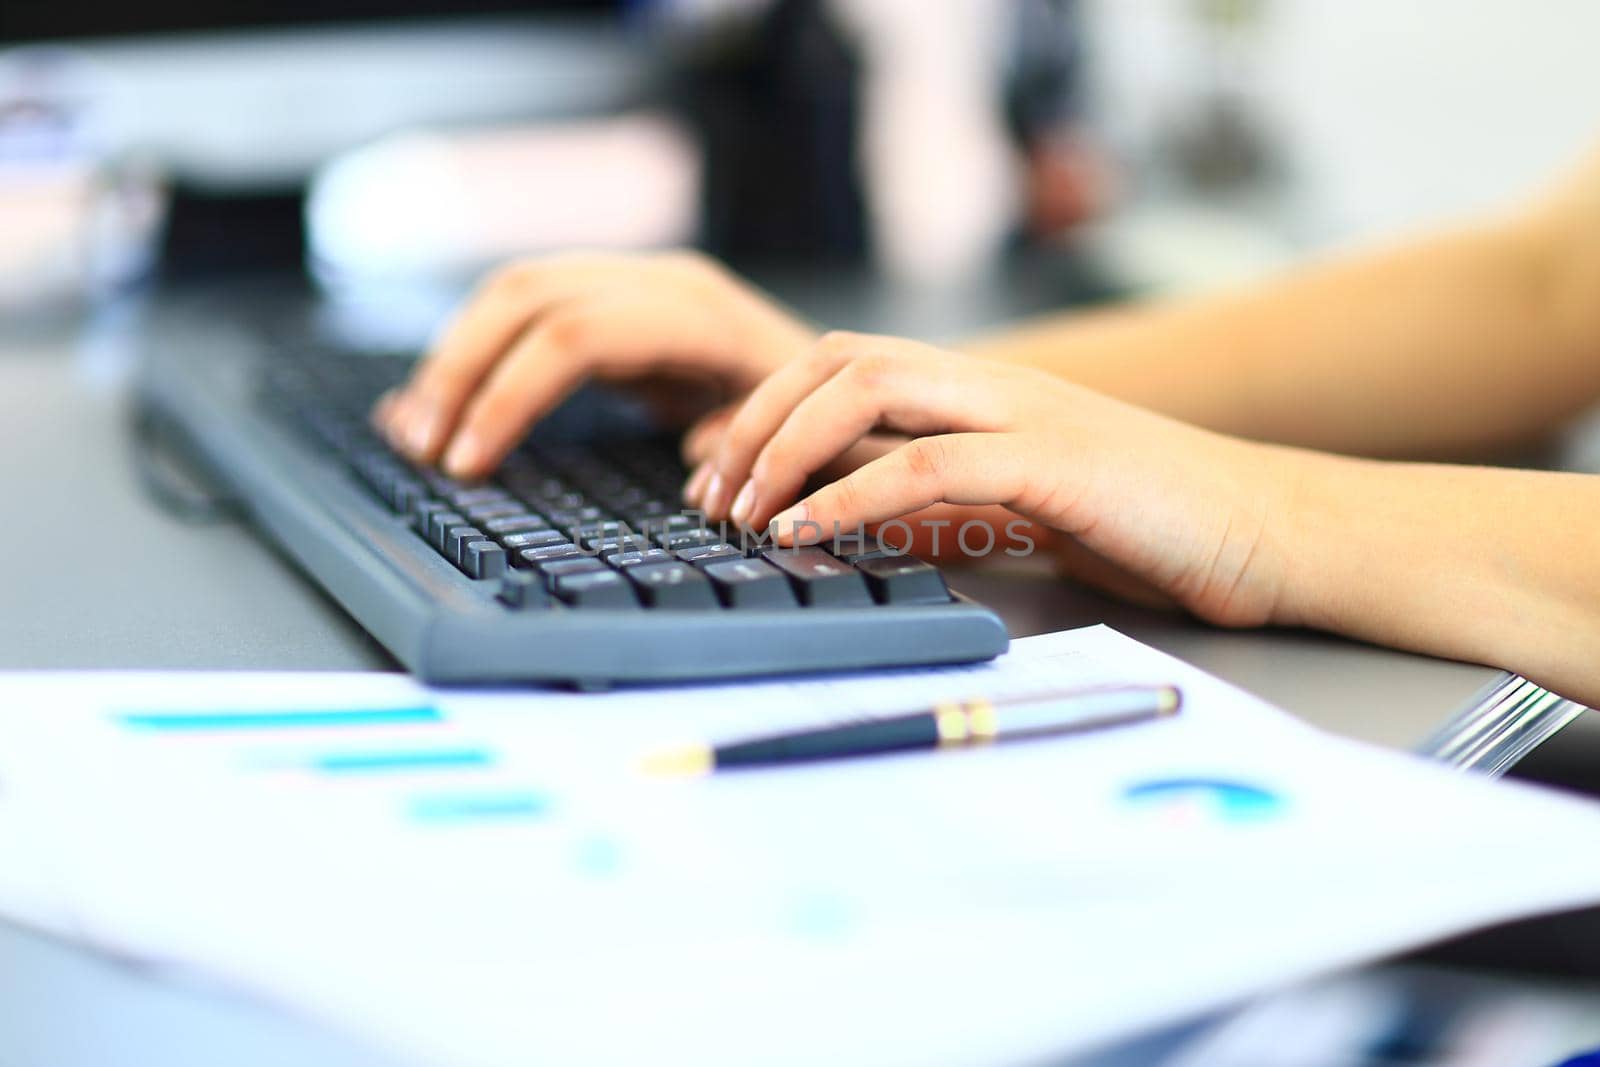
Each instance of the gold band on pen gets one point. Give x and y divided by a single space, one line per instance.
951 721
982 722
974 722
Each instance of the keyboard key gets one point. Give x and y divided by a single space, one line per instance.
499 509
476 496
653 512
819 579
558 498
536 558
522 522
568 518
628 498
620 560
405 493
600 531
614 545
440 523
378 470
483 559
516 542
750 583
523 591
456 540
672 521
422 513
550 570
853 548
709 553
672 587
674 540
904 580
441 484
596 589
754 543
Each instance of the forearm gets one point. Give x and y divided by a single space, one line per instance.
1483 565
1448 347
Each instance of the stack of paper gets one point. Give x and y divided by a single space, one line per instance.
487 878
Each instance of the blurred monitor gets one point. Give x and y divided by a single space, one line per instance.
238 102
22 20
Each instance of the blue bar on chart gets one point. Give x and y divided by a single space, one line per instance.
281 719
478 806
400 760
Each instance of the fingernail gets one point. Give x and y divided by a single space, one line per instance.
784 523
463 457
382 410
394 421
744 502
389 429
696 484
419 435
714 494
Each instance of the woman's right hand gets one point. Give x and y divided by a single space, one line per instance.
677 325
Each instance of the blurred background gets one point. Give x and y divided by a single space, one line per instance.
930 168
1088 147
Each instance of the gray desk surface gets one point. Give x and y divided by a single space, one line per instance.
93 576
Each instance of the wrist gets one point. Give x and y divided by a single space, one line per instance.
1406 555
1314 505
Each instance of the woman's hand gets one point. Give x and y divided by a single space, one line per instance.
1185 512
536 330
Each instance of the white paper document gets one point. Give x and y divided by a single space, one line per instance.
486 878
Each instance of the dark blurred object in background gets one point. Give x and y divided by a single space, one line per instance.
916 139
235 231
1067 177
57 20
774 100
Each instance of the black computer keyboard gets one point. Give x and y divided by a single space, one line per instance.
575 562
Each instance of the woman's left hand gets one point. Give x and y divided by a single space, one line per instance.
1190 514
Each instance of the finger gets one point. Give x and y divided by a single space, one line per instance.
395 420
762 412
859 454
916 392
697 447
500 311
863 451
383 409
694 488
776 398
612 337
960 468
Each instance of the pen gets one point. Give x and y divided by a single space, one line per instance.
948 725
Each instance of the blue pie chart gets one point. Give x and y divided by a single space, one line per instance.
1193 800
